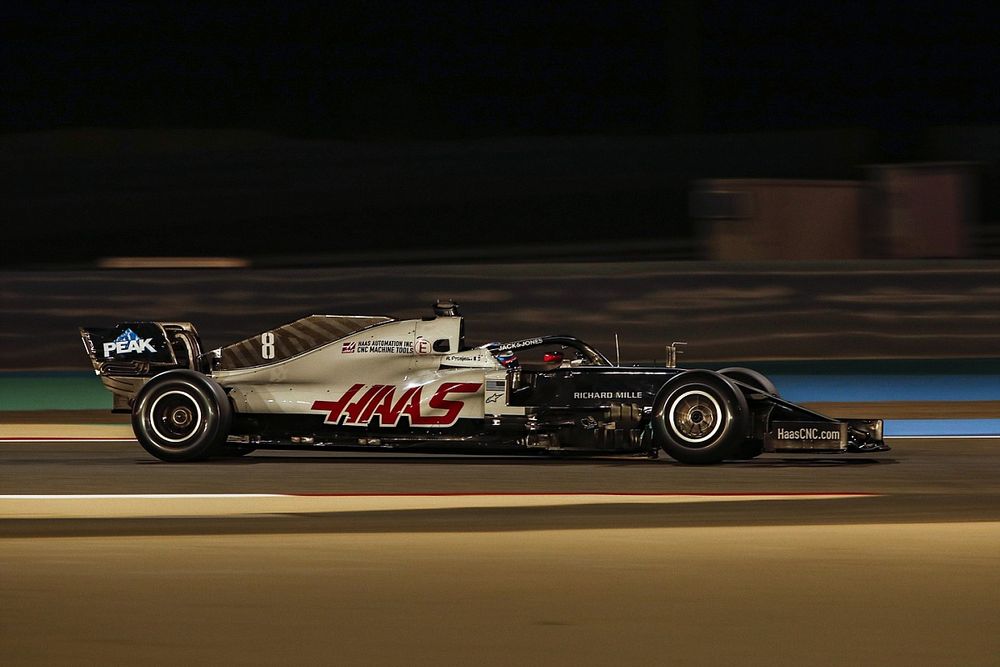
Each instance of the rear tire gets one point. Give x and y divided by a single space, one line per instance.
699 417
181 415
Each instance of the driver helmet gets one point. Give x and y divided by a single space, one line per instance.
507 358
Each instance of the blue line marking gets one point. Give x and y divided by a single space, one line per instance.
870 388
897 428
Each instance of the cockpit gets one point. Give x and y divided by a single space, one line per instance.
546 353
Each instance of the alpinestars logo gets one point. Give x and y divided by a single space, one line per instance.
128 341
359 408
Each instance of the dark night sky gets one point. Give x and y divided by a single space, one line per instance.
575 111
458 69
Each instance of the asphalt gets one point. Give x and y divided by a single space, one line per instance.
891 594
891 558
920 480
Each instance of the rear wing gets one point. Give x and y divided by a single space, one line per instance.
127 354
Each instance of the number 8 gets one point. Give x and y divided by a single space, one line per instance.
267 345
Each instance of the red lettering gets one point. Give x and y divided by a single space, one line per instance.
378 400
412 409
335 408
355 409
439 402
389 412
387 392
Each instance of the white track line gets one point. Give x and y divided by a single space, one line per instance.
129 496
91 506
23 440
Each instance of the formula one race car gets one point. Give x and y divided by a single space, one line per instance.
361 382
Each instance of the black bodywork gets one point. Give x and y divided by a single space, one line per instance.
578 402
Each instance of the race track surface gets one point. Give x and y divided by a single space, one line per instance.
920 480
891 558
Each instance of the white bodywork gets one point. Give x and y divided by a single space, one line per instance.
384 372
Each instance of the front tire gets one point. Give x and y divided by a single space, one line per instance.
750 377
181 415
753 447
700 417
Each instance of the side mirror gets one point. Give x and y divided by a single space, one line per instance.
442 345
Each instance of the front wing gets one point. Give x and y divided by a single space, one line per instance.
792 428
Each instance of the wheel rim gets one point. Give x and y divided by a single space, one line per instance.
695 417
175 416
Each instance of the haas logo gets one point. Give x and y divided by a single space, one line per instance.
359 408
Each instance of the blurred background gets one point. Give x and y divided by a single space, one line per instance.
780 182
811 189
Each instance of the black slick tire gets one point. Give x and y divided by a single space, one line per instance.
752 378
700 417
753 447
181 415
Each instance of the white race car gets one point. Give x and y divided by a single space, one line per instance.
374 382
